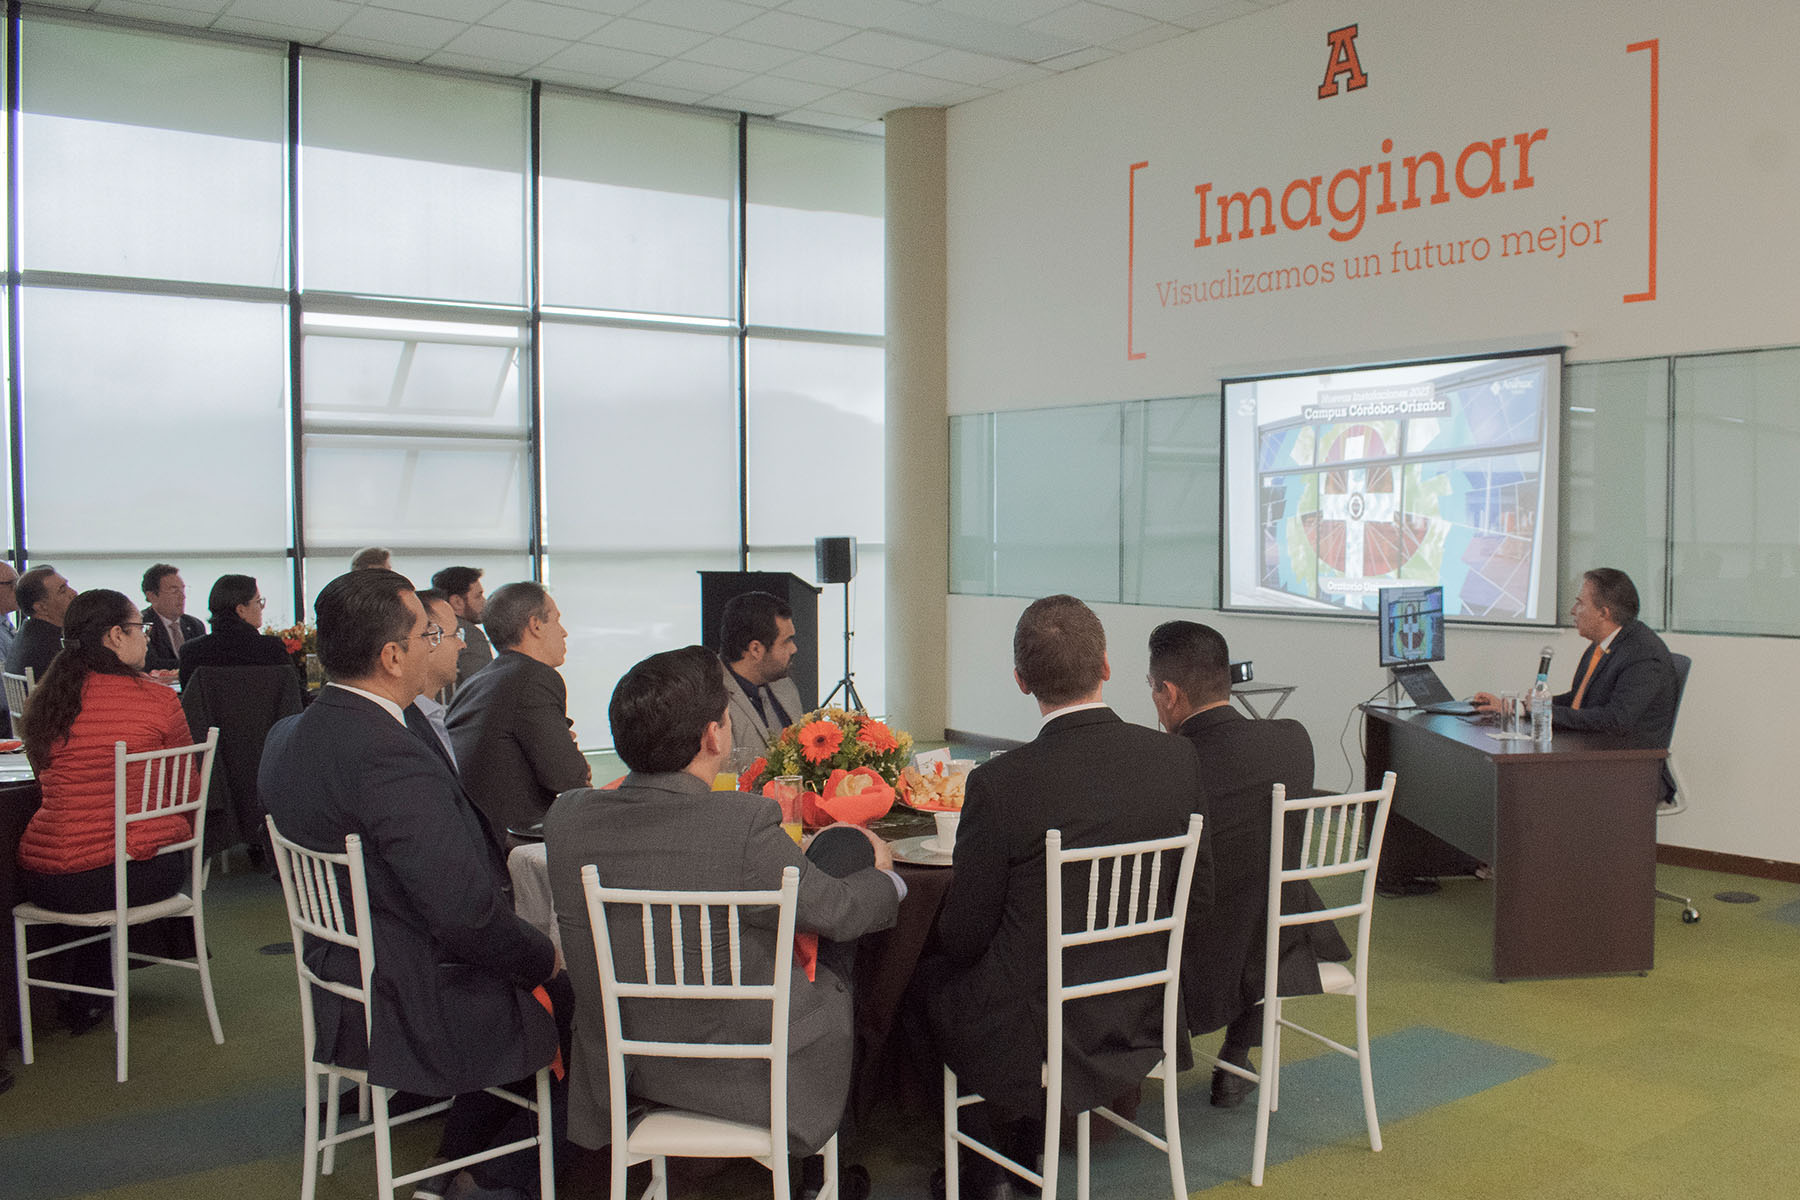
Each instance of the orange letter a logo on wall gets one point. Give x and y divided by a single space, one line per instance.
1343 61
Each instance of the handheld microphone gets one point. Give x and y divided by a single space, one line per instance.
1544 660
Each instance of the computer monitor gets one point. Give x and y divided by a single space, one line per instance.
1411 620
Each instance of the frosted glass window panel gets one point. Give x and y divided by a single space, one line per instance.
1615 464
151 156
497 568
396 492
1056 489
164 415
972 545
1737 526
1171 502
638 208
817 464
436 376
815 254
619 609
124 572
868 618
640 439
411 184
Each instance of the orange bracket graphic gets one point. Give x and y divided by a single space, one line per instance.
1131 262
1649 293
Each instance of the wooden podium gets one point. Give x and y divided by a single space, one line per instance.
717 588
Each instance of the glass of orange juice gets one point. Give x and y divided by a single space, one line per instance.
786 791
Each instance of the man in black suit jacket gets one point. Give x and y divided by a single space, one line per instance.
453 1009
1624 683
1100 781
165 617
44 597
509 721
1240 762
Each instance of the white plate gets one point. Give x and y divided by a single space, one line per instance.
920 852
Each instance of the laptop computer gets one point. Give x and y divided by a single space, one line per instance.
1428 691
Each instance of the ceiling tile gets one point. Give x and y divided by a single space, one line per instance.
274 30
792 32
449 10
756 108
832 72
604 8
664 41
476 63
601 60
694 76
546 20
823 120
1189 14
741 55
654 91
1008 11
902 85
374 48
1090 24
963 67
708 16
882 49
320 16
75 4
1148 37
1069 62
401 29
504 45
766 89
585 80
857 104
158 12
181 10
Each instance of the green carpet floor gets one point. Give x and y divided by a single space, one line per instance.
1678 1084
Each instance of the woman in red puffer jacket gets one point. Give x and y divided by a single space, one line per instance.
95 694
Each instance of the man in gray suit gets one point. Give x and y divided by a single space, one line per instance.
756 640
663 828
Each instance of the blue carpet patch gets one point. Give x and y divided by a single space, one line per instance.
1321 1104
79 1159
1789 912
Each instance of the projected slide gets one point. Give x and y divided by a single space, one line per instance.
1440 474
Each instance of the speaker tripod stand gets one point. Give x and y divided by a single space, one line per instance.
846 685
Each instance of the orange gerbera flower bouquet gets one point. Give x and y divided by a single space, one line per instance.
849 762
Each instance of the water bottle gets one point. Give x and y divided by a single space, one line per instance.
1540 713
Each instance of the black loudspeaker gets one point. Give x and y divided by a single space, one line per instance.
836 559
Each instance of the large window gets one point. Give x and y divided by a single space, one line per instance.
471 320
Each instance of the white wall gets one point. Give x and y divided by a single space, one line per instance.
1041 230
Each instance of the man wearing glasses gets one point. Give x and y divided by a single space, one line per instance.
509 720
457 965
43 596
445 640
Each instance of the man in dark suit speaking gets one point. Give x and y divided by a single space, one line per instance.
1240 761
1099 781
1625 681
664 828
510 720
453 1011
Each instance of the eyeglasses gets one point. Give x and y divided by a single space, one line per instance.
143 625
434 633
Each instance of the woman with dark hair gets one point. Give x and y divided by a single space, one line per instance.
95 694
235 641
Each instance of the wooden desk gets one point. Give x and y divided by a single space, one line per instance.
1569 831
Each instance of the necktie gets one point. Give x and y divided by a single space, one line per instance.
175 638
1593 662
